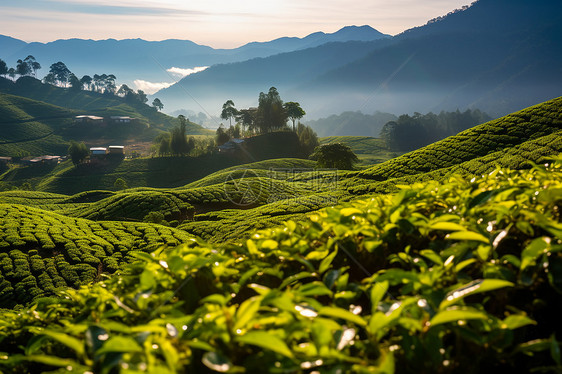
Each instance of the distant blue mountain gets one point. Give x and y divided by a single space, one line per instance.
496 55
132 59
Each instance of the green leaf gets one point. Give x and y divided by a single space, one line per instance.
314 289
217 362
143 256
346 212
516 321
295 278
474 287
343 314
147 280
120 344
432 256
326 262
447 226
467 235
378 291
55 361
481 198
266 340
534 250
69 341
455 315
247 311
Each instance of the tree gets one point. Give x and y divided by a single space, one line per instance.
120 184
141 96
78 152
3 68
307 138
271 114
22 68
179 145
221 136
33 64
12 73
335 155
157 104
60 72
247 118
293 111
75 84
228 111
86 81
125 91
50 79
109 83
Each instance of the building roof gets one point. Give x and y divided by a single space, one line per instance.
116 147
94 118
120 117
93 149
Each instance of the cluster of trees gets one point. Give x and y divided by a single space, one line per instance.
176 143
25 67
412 132
60 75
270 115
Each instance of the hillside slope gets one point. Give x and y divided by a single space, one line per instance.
42 251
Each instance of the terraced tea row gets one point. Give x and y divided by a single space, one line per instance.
41 251
494 136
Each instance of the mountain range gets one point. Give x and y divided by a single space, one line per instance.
137 59
496 55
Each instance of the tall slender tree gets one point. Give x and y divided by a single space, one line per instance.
229 111
3 68
61 73
33 64
293 111
271 115
22 68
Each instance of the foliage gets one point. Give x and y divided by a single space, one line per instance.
78 152
436 278
294 112
60 73
229 111
157 104
120 184
335 155
3 68
412 132
221 136
41 251
308 139
271 114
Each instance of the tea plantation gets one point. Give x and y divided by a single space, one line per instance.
41 251
450 277
442 260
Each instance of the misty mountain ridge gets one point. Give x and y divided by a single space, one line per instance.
132 59
496 55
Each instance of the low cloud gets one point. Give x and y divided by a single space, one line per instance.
150 87
179 72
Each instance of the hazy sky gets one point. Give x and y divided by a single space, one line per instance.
218 23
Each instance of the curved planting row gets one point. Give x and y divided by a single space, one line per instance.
503 133
41 251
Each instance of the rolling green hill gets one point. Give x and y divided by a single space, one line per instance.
41 251
369 150
231 203
38 118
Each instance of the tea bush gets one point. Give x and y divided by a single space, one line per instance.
461 276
